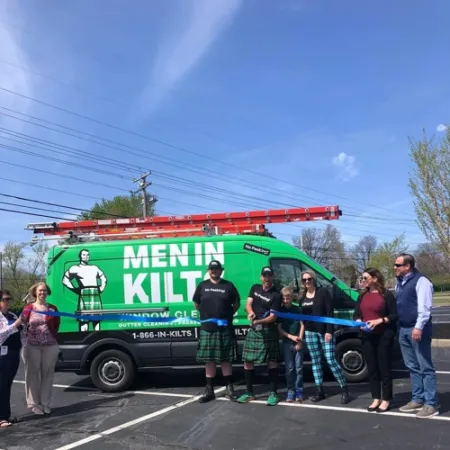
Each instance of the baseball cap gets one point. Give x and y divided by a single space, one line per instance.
215 265
267 270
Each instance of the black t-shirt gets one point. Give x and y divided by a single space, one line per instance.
264 301
307 309
216 301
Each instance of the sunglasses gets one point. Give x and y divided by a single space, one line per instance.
365 278
399 265
306 280
6 299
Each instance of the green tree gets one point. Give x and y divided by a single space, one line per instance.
119 206
22 266
430 186
383 257
266 233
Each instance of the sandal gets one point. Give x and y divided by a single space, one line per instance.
5 424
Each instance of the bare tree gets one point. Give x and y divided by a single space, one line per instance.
323 245
363 251
430 261
430 186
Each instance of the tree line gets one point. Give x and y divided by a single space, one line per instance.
326 246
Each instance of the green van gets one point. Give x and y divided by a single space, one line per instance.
157 278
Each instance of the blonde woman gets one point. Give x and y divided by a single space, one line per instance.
40 350
319 337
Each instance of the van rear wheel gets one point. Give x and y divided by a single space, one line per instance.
350 356
112 371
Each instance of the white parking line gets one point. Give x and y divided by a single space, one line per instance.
133 422
79 388
439 372
344 409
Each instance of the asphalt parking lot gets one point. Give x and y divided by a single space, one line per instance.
162 413
441 314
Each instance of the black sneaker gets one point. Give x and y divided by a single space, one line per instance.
229 393
345 396
208 395
319 396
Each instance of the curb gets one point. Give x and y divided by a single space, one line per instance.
440 343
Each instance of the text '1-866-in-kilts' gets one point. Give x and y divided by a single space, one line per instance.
261 346
217 346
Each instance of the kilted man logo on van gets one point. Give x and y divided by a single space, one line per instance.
90 283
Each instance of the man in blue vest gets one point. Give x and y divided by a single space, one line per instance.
414 294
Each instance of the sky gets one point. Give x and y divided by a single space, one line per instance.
258 103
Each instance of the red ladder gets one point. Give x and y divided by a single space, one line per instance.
188 225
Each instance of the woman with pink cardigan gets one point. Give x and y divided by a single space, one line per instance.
40 350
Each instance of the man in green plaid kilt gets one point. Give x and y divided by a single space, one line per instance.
262 343
86 287
90 300
216 298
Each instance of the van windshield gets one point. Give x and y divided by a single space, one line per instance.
288 273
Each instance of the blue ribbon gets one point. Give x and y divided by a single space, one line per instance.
319 319
131 318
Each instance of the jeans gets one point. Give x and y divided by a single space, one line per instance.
293 362
8 368
417 358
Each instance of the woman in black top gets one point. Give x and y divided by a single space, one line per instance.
319 337
377 307
10 345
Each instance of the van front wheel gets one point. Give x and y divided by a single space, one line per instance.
350 356
112 371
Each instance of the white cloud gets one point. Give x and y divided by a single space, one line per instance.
441 128
206 22
346 165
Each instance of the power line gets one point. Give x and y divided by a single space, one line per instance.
176 201
84 210
49 188
64 176
62 161
114 187
167 144
58 205
196 185
72 150
14 211
146 200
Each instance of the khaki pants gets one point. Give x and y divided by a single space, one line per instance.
40 364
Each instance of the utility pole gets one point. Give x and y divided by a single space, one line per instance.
146 199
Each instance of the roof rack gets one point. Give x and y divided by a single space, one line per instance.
240 222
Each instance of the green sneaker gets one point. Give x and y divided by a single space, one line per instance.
273 399
246 397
